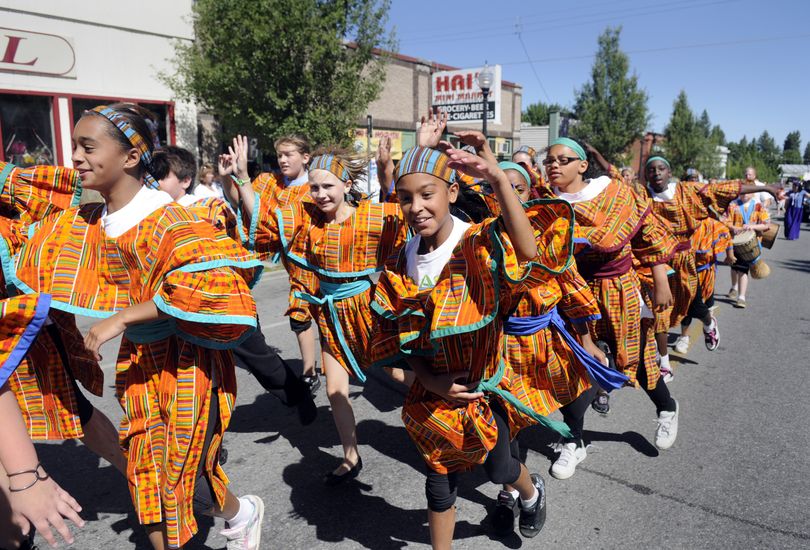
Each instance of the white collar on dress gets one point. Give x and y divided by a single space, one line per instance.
142 204
591 190
189 198
667 194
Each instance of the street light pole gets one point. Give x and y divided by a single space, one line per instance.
485 109
485 80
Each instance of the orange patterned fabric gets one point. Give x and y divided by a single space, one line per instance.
458 326
272 194
218 213
21 319
711 239
43 383
691 204
683 285
336 253
198 278
37 191
547 373
617 226
734 216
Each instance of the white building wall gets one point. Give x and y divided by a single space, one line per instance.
120 48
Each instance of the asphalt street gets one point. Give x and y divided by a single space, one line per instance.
737 477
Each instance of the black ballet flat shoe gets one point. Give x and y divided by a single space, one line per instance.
333 480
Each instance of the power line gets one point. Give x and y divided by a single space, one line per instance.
582 21
665 49
528 57
508 23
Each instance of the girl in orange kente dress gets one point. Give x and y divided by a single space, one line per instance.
342 240
442 303
614 226
711 239
683 204
45 382
177 290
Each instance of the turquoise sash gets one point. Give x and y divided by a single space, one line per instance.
331 293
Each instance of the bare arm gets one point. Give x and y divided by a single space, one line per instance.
244 187
109 328
485 165
661 292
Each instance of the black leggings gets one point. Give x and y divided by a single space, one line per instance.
300 326
574 412
272 372
85 408
502 466
660 395
698 309
203 496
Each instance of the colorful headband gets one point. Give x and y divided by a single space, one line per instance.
135 139
423 160
528 150
515 166
662 159
332 164
571 144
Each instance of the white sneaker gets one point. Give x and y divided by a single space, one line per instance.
667 430
682 344
249 535
571 454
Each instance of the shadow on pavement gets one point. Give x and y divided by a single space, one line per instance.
349 512
796 265
102 491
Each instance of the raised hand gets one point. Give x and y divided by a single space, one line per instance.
384 151
473 138
431 129
481 166
239 153
225 165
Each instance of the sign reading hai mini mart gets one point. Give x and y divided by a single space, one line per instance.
36 53
457 92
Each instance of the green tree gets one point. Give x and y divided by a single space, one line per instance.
744 153
537 114
274 67
793 141
687 144
717 136
611 108
792 149
705 124
768 148
806 157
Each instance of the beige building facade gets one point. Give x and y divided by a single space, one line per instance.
406 97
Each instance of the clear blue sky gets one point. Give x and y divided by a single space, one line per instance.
747 62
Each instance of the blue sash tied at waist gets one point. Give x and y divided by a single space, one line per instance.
153 331
331 293
607 378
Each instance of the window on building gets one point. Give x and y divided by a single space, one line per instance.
27 129
160 110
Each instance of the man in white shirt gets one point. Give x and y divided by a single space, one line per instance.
751 177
